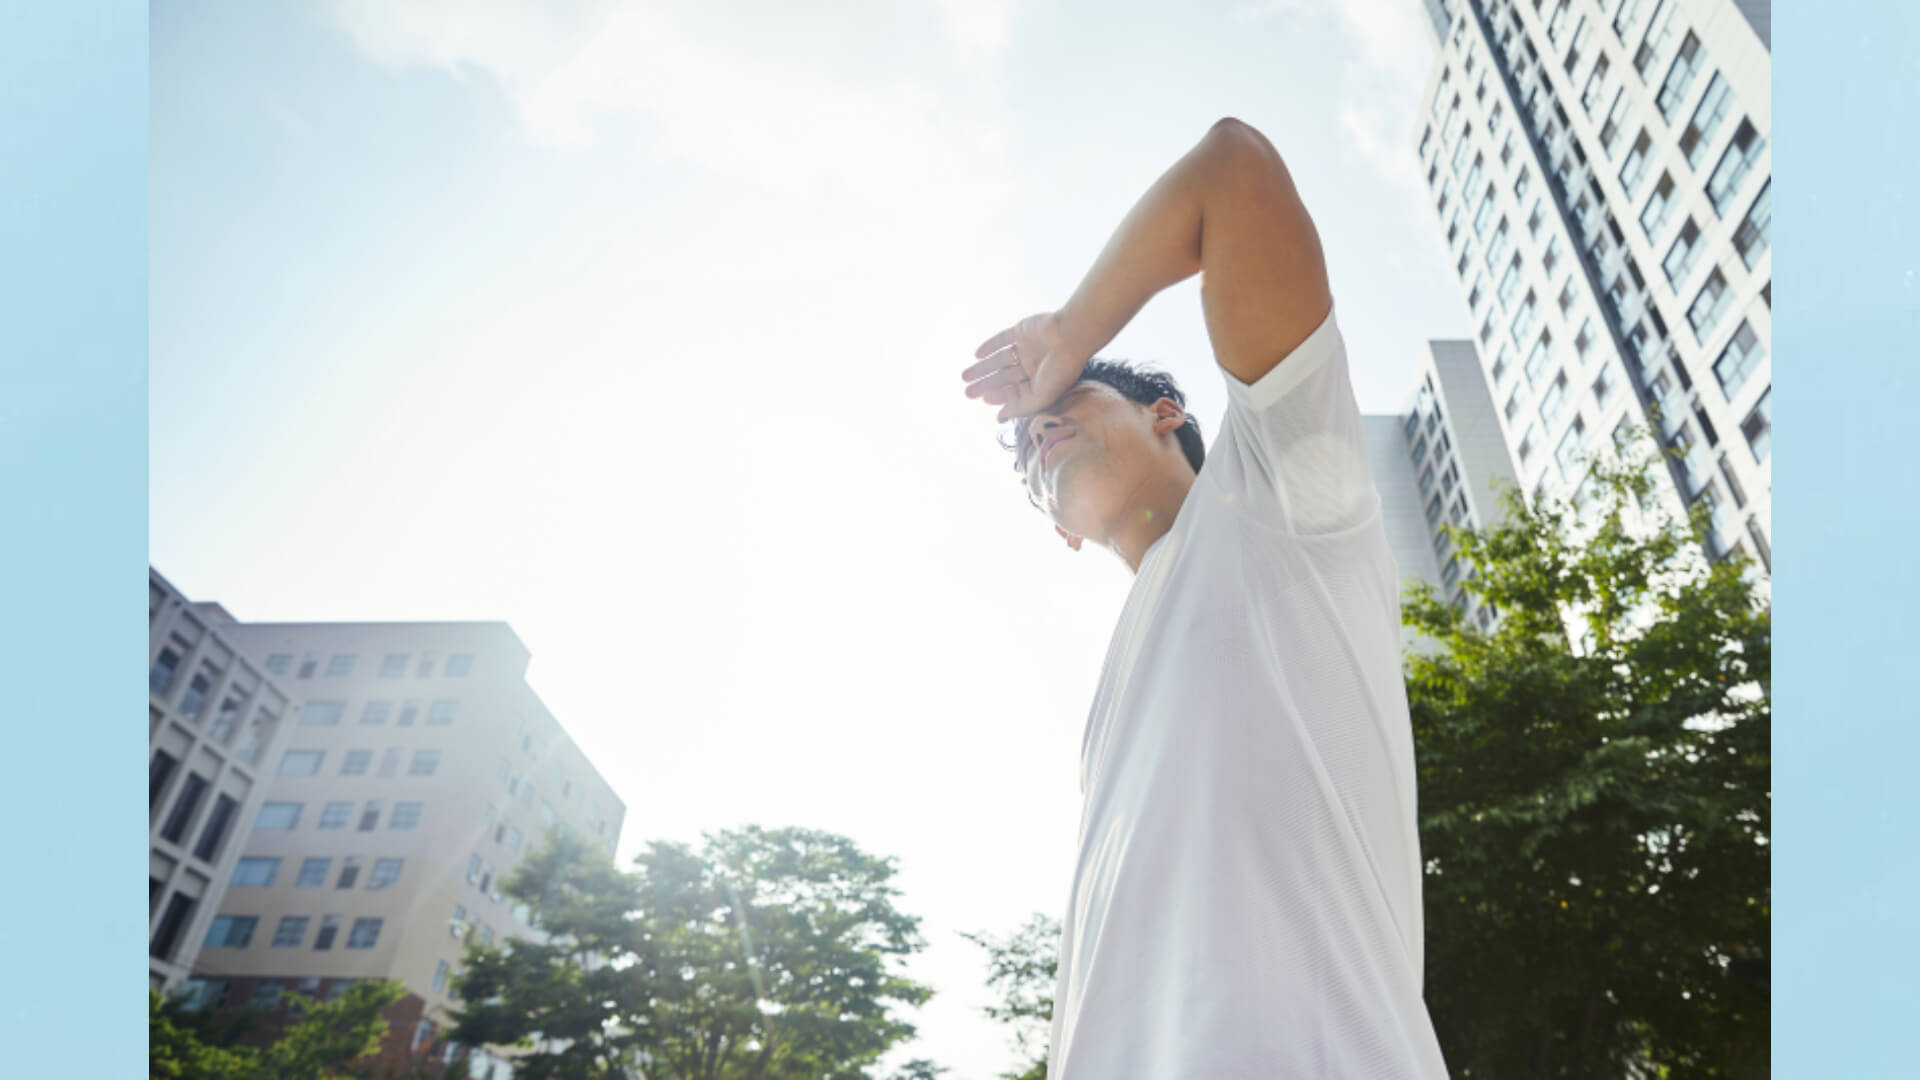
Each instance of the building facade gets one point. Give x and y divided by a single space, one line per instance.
418 770
215 720
1602 179
1442 462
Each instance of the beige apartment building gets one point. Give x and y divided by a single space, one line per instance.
416 772
214 722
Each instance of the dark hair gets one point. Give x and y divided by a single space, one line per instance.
1141 385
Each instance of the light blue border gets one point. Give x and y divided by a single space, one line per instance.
1846 338
73 467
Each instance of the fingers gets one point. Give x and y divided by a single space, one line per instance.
1001 359
995 343
1006 378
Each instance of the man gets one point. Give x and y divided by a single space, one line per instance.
1246 902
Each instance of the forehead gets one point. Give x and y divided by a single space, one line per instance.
1082 394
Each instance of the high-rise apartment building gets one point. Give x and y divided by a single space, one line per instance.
214 721
417 771
1441 462
1601 173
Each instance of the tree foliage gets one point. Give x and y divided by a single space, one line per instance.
324 1043
1021 969
1594 795
765 953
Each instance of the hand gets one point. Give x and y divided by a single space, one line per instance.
1025 367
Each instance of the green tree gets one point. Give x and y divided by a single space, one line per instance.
323 1043
1594 795
766 953
1022 969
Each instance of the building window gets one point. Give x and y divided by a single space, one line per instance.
390 761
309 664
440 971
385 872
370 817
1497 247
1570 445
349 872
1477 293
1610 129
313 873
409 712
266 994
457 924
1535 368
1583 340
278 815
1501 365
1433 509
256 871
1682 255
1654 214
321 713
1452 573
340 665
195 698
1738 360
1474 176
1510 281
1634 169
336 815
356 763
291 933
323 940
226 720
393 666
338 988
425 671
1513 405
474 864
1553 400
1756 230
301 762
160 675
459 664
1482 216
405 815
1527 443
1550 260
441 713
1758 428
231 931
1734 166
159 770
167 935
1558 20
1420 450
1706 121
365 934
1596 88
1604 384
425 763
1680 76
279 663
1523 318
1466 255
376 712
1709 305
1566 298
185 805
1520 185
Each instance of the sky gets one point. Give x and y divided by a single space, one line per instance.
640 327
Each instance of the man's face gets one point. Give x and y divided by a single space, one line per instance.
1084 456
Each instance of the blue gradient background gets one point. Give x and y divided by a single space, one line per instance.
73 467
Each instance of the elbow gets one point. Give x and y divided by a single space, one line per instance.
1237 138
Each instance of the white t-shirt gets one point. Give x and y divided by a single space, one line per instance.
1247 898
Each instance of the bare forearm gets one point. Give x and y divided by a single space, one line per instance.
1158 244
1228 208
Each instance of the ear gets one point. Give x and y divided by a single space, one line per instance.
1168 416
1072 540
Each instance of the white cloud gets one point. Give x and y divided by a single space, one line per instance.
1393 50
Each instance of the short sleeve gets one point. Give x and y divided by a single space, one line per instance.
1295 441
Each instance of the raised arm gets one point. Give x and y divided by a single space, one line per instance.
1227 211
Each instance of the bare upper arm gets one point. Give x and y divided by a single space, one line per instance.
1263 283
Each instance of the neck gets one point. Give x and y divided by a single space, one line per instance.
1150 510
